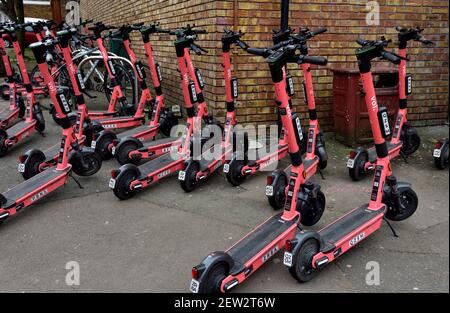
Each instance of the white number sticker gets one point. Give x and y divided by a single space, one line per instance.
182 175
93 144
437 153
21 168
194 286
112 183
113 150
226 168
350 163
287 260
269 191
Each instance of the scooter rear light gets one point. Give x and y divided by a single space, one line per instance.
289 246
269 180
195 273
22 158
438 145
352 155
115 173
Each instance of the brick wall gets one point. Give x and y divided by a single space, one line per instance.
38 11
345 21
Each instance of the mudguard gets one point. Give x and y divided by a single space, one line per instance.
387 191
104 134
301 237
211 260
128 139
74 155
98 127
277 174
27 155
359 151
126 167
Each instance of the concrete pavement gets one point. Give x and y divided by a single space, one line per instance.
150 243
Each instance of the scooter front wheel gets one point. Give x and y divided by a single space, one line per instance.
302 269
409 202
278 198
92 162
411 144
310 215
213 280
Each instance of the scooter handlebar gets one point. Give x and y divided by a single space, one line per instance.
319 31
314 60
391 57
258 51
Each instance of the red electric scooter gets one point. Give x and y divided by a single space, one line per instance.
310 251
34 120
405 140
36 161
16 108
222 271
130 178
72 156
132 151
160 118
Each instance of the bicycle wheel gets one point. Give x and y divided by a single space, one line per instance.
126 78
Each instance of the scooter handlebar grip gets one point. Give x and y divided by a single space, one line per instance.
361 42
315 60
391 57
164 31
258 51
242 44
319 31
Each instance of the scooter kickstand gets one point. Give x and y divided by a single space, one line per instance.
321 174
390 226
405 158
76 181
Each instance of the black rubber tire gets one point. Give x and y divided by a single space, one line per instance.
167 122
409 200
3 148
94 162
32 166
441 163
190 182
307 214
101 146
122 190
234 175
357 172
123 152
212 281
302 269
412 146
278 200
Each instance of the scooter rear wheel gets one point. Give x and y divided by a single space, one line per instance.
302 269
3 148
101 146
442 162
358 170
122 188
234 175
122 154
409 201
213 280
190 181
32 166
93 162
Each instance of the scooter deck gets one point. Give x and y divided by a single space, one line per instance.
154 143
348 223
31 185
51 152
20 127
119 119
307 163
135 131
256 155
158 163
6 114
261 237
372 152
